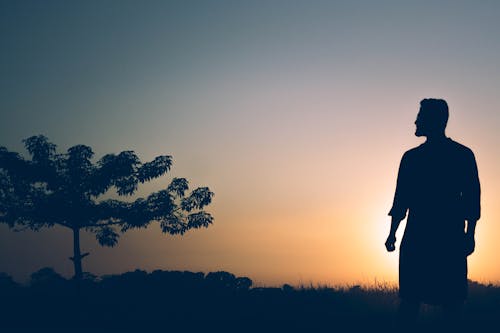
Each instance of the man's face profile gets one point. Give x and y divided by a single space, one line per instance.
421 124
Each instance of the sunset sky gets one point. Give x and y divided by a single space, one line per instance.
295 113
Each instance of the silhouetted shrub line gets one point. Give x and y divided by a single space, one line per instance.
216 301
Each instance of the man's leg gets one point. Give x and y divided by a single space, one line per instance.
408 313
452 313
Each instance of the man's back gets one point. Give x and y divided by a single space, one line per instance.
441 184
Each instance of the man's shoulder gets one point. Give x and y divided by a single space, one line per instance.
463 149
451 144
413 151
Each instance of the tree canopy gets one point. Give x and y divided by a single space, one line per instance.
66 189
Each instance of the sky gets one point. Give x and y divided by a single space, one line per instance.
295 113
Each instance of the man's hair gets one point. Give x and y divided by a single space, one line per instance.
436 110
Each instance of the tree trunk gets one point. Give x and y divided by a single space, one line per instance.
77 256
77 263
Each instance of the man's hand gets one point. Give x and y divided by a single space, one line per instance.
470 244
390 243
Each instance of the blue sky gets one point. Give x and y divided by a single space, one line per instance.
295 113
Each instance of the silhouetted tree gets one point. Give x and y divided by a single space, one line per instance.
45 277
64 189
6 281
228 281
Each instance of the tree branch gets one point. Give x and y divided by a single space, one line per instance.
64 225
83 255
103 224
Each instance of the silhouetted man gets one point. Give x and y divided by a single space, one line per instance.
438 185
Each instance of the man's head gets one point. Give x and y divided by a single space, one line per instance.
432 117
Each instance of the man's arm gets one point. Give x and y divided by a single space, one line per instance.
470 242
471 227
390 243
472 200
400 203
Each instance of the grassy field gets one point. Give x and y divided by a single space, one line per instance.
171 301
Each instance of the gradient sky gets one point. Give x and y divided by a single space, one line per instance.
295 113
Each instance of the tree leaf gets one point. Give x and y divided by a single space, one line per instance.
40 148
199 219
154 169
178 186
106 236
173 225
